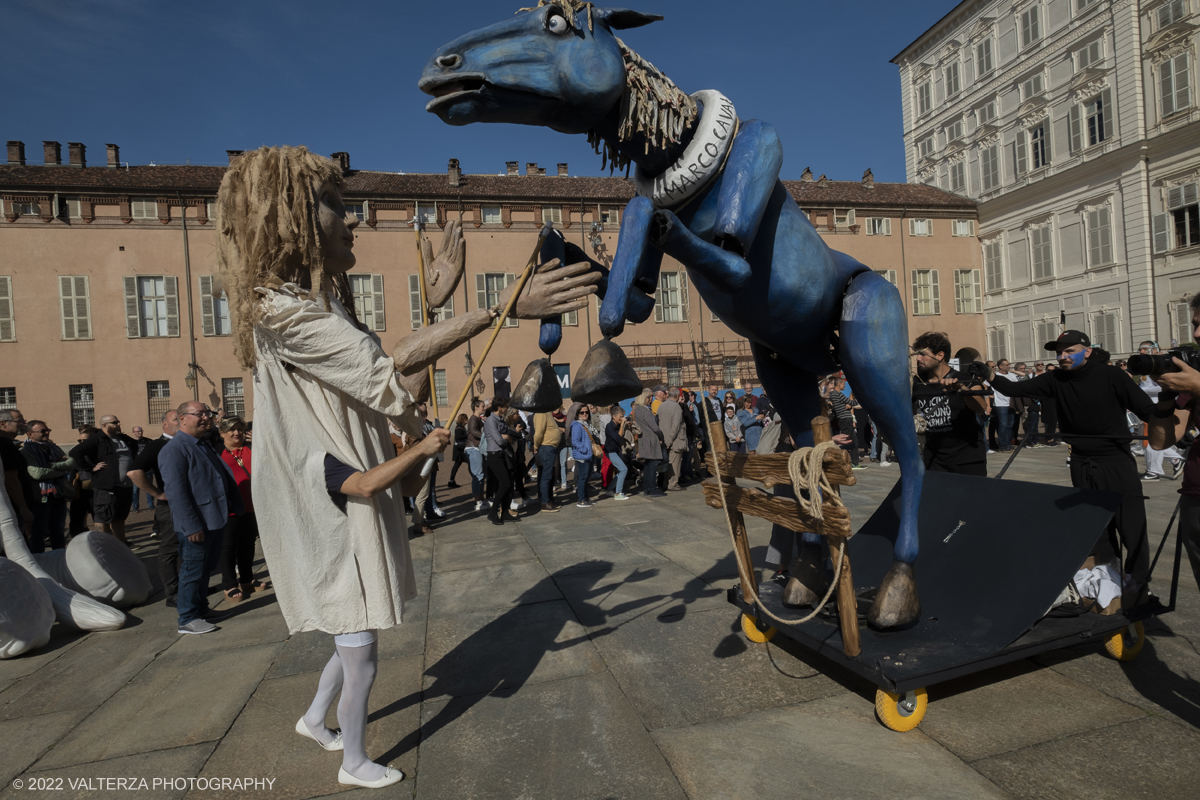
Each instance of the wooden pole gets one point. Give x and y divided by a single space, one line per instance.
716 435
425 316
847 602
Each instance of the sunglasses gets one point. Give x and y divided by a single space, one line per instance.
43 430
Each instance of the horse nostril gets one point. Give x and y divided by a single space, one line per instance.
449 62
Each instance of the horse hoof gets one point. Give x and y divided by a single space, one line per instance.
896 601
807 582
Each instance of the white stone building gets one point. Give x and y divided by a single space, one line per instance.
1075 124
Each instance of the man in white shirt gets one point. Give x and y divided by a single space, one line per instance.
1002 410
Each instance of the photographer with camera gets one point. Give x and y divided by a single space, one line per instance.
954 438
1154 458
1091 399
1174 415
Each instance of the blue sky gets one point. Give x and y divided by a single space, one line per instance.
172 82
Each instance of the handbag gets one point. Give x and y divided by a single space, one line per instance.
597 450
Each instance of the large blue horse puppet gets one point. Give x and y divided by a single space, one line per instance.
709 195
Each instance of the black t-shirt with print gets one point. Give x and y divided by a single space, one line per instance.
954 439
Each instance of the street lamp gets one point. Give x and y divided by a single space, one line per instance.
468 365
190 379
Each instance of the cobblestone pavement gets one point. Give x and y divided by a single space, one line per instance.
592 654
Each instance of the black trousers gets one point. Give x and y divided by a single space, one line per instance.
81 506
1050 418
498 470
237 551
1118 473
168 549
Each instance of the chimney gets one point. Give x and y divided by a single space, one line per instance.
868 181
455 173
562 170
16 153
512 167
114 155
530 168
807 176
342 159
53 153
821 181
233 154
77 152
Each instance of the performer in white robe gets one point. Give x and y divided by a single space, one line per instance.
324 390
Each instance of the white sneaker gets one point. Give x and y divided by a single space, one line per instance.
437 512
621 496
885 463
515 505
991 452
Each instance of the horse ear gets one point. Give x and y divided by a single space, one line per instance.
619 19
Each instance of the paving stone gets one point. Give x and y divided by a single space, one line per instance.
303 652
101 778
661 590
182 698
467 530
1005 709
471 554
109 658
263 741
575 738
498 586
568 531
1161 680
683 670
496 650
711 557
832 747
253 622
62 639
605 553
1149 757
27 738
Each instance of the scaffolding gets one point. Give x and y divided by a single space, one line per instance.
728 364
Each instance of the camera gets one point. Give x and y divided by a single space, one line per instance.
975 372
1161 363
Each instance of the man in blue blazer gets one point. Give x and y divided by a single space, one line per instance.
202 493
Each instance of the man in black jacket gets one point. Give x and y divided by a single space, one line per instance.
145 475
1092 399
108 455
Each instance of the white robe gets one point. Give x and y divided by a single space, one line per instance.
332 572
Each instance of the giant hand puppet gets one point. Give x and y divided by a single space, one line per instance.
709 195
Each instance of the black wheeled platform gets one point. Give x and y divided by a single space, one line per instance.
994 556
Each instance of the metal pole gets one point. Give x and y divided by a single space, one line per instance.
187 277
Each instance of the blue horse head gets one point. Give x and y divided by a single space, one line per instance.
557 66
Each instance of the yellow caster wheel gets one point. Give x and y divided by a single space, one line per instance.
1125 644
753 632
901 712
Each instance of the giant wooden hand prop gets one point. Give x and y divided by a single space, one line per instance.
446 270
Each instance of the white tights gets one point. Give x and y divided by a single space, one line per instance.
350 671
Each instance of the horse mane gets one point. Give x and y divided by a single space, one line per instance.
651 104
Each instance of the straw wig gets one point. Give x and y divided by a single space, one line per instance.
267 233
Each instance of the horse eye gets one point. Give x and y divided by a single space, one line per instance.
556 24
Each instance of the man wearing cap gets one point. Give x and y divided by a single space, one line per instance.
1091 399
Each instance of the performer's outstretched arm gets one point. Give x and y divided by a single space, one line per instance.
378 479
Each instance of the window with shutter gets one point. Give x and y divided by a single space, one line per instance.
439 388
144 209
998 344
76 311
1183 323
208 324
1099 228
1047 331
414 301
1104 332
924 98
963 227
958 177
1174 85
1041 244
133 324
488 288
552 214
888 275
571 318
377 302
989 165
1020 157
490 215
952 80
1075 129
1162 233
967 297
926 293
1030 26
843 217
171 285
367 291
1039 147
983 57
993 265
879 226
1088 55
8 325
670 301
1171 12
1097 118
1183 205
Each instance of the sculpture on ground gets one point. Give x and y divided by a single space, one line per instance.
71 606
709 195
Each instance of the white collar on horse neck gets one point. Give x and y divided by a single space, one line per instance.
702 159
